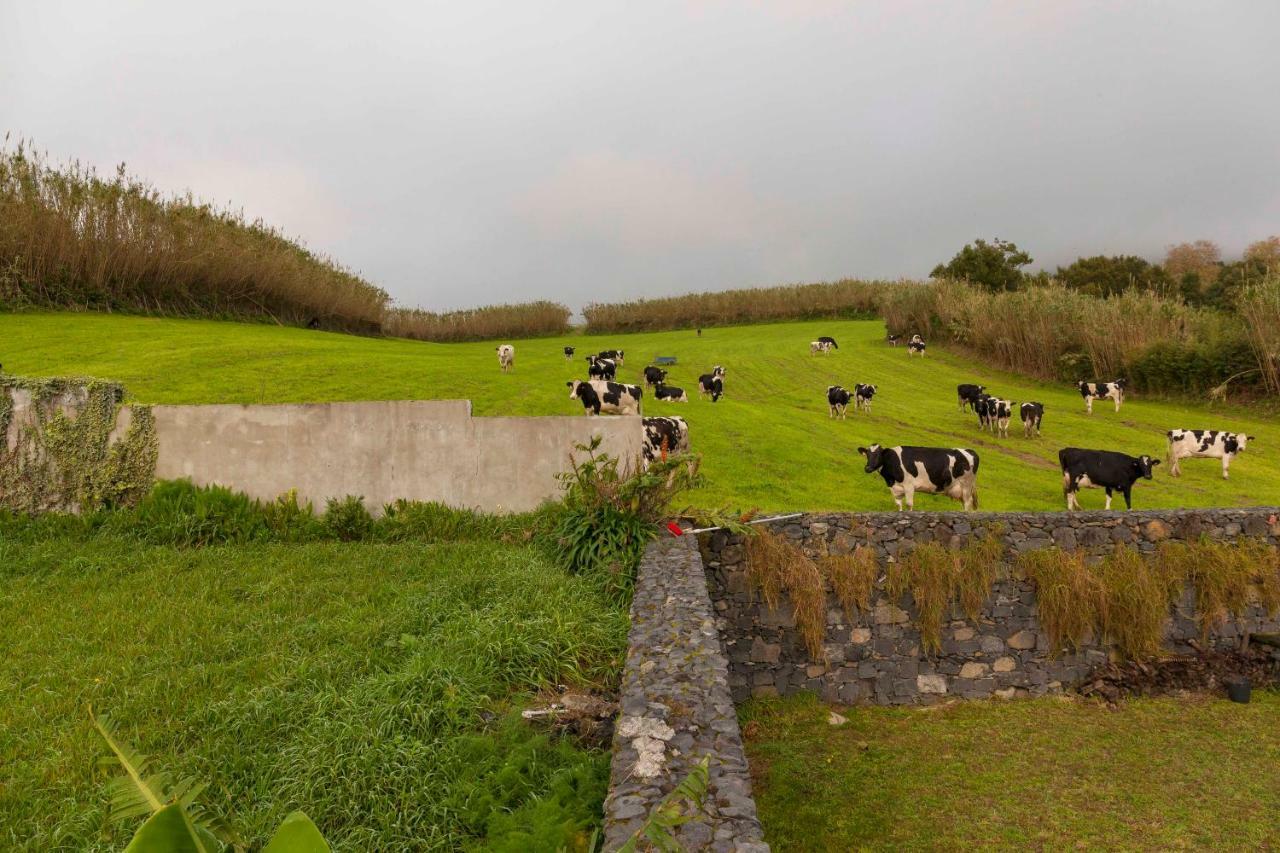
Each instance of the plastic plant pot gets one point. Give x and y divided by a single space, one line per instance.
1238 690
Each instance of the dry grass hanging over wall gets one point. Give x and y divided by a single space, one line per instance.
847 298
70 238
775 566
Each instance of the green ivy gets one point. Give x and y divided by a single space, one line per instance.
69 462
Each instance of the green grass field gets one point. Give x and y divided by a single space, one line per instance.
1047 774
376 687
768 443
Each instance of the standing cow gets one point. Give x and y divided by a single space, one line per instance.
862 395
506 357
816 347
568 353
598 395
1101 469
837 401
933 470
662 436
968 394
1204 444
1032 414
829 341
712 384
601 368
1100 391
654 376
916 348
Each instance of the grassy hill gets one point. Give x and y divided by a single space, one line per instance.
768 443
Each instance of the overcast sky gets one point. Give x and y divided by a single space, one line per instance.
471 152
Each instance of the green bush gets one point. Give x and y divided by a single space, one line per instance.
181 514
347 519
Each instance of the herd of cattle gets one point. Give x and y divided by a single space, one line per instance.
905 469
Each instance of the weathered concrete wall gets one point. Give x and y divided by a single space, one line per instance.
416 450
675 709
876 656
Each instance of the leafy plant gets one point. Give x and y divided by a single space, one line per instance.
676 809
347 519
176 821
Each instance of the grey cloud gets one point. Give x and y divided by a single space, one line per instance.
463 153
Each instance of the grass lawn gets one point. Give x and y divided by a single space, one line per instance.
767 443
1050 774
376 687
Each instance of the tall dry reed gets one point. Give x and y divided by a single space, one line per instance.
1260 309
70 238
526 320
847 298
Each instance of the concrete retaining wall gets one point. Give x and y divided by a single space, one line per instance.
876 656
423 451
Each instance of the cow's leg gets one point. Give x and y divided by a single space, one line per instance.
1088 405
1118 398
1175 470
1127 503
1108 497
1226 463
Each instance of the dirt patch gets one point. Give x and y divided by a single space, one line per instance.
1203 672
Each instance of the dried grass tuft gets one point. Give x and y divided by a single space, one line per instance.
853 577
775 566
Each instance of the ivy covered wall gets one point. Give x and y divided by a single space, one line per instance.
67 447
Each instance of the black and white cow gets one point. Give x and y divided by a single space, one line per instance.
999 413
1032 414
506 357
916 339
829 341
663 436
1101 469
568 353
1100 391
816 347
893 339
969 394
598 395
933 470
611 354
670 394
862 396
916 348
1204 444
984 408
837 401
712 384
654 375
601 368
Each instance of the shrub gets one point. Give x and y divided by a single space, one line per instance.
611 511
180 514
347 519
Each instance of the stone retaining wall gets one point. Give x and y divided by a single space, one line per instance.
877 657
675 708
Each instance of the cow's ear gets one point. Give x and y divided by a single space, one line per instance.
863 451
1249 438
1155 462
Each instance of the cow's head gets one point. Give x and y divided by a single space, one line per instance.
1121 383
868 390
573 388
1144 464
875 457
831 388
1082 386
1234 442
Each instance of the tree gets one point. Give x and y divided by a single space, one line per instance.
1103 275
995 265
1265 252
1201 259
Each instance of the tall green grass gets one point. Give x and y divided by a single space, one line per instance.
376 687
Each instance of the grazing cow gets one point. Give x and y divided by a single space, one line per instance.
712 384
933 470
612 354
1101 469
1032 414
916 348
313 323
830 341
1204 444
969 395
837 401
506 357
999 413
916 339
568 353
601 368
862 397
670 394
654 375
816 347
1100 391
893 339
663 436
598 395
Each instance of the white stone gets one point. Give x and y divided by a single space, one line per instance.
962 634
972 669
860 635
931 683
1022 640
650 727
834 719
1005 664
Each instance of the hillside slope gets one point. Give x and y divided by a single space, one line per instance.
768 443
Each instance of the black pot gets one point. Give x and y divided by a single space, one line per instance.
1238 689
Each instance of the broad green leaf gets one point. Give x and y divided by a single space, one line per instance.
171 831
297 835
